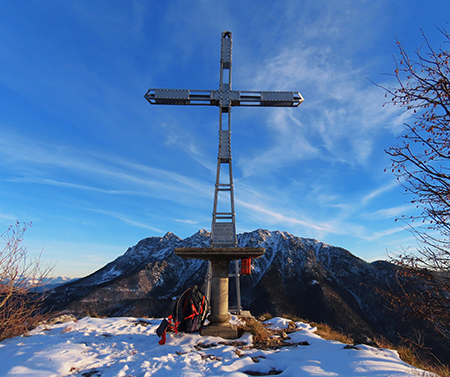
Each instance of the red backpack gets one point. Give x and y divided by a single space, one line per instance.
189 314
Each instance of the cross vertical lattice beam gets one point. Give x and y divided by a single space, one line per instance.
223 227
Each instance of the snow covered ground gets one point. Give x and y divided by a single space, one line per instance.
94 347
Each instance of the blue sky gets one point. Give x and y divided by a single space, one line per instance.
96 168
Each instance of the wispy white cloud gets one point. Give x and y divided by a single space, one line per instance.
191 222
342 116
330 213
52 182
382 234
387 213
277 217
308 169
379 191
342 226
183 140
33 161
288 145
125 219
8 217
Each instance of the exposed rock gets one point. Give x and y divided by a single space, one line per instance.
296 276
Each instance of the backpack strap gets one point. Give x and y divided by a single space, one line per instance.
177 305
168 324
162 341
161 330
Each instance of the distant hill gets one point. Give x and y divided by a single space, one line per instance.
296 276
50 283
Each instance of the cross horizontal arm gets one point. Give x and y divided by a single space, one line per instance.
223 97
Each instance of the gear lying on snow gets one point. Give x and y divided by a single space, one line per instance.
189 314
131 348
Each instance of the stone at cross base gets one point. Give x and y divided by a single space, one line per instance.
220 258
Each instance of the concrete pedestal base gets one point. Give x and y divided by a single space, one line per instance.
245 314
220 260
224 330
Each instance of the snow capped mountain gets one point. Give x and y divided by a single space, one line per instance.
58 280
292 270
49 282
296 276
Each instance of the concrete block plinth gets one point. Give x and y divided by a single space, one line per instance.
224 330
220 260
219 253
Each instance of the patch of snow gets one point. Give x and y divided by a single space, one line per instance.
109 275
161 253
129 347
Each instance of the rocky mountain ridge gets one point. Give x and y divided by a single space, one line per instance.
296 276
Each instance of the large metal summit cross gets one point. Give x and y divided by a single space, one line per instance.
223 228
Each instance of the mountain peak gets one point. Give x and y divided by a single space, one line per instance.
169 235
300 276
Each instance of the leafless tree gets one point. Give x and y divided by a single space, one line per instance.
20 276
421 162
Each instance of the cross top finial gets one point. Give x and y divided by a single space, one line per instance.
226 34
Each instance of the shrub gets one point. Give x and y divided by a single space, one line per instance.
328 333
20 276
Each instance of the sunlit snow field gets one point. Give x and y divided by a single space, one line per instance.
129 347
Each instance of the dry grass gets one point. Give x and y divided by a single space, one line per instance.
264 338
328 333
265 317
409 355
295 318
260 333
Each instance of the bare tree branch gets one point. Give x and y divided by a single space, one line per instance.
421 162
20 276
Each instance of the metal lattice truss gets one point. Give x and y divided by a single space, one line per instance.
223 228
222 97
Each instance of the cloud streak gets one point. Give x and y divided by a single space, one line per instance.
342 116
33 161
126 219
88 141
388 213
379 191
